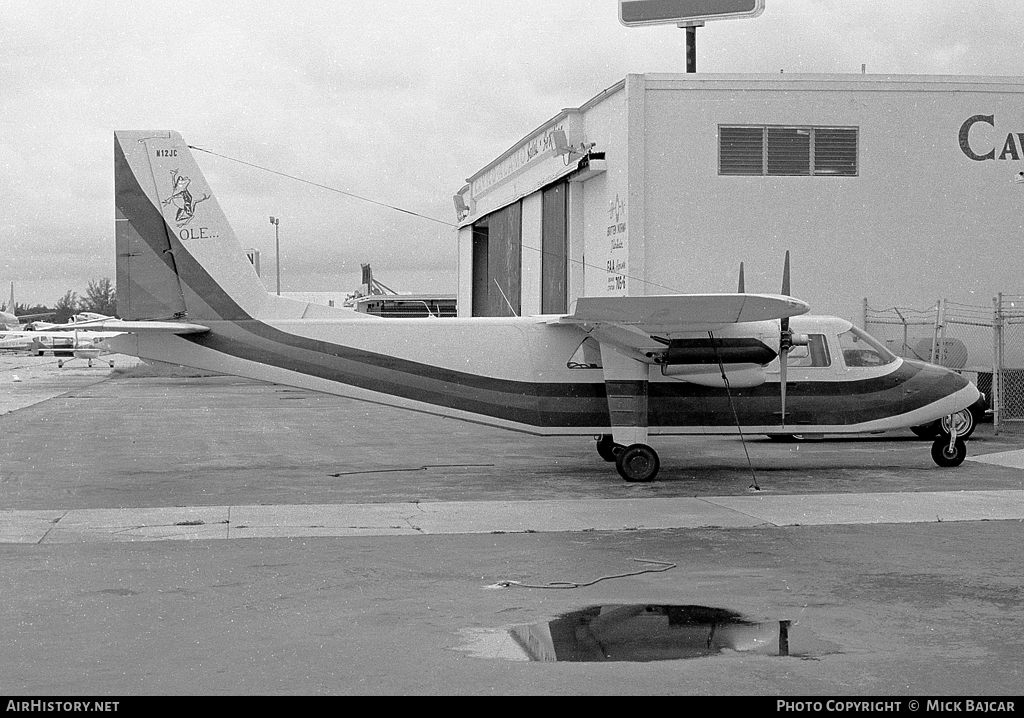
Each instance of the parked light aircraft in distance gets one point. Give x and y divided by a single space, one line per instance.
64 345
73 322
77 339
10 321
619 368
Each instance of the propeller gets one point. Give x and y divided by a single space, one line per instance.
787 340
741 289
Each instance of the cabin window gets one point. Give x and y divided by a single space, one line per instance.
773 150
860 349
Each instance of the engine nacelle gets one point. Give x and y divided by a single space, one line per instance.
740 376
725 350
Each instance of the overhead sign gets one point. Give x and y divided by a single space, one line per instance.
665 12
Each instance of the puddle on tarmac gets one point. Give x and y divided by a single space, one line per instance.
644 632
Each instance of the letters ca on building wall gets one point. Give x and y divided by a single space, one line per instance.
981 146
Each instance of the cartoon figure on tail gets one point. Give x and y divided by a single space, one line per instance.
182 198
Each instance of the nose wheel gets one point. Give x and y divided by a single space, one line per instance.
948 453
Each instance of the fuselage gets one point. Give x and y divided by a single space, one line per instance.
524 374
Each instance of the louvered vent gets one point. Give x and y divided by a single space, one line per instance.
835 151
741 150
787 151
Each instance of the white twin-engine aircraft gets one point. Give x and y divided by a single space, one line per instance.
619 368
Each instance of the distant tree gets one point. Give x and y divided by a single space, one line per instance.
34 309
65 307
100 297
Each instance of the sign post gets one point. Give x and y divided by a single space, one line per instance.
691 47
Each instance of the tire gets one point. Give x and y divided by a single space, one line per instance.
942 456
607 449
638 463
965 423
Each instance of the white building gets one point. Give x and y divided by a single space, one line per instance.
896 188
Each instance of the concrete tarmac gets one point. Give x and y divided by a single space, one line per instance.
210 535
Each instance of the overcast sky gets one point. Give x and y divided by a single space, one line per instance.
397 102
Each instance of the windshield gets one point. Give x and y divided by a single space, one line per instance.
861 349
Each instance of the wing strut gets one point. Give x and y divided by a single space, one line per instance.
735 416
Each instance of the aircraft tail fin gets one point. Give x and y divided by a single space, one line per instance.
7 319
177 255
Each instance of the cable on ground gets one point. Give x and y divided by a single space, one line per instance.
665 566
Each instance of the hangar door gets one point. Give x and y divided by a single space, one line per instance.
497 263
554 248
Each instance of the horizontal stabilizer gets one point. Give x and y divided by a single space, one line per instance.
134 327
684 310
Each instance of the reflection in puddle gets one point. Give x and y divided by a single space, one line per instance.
644 632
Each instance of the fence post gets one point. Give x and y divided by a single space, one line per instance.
997 361
903 320
935 333
942 339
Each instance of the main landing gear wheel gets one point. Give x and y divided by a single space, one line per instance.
945 456
607 448
638 462
964 420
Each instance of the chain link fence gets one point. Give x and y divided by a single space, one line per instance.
1008 347
983 342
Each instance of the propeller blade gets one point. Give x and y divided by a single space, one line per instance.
785 341
742 288
785 276
783 361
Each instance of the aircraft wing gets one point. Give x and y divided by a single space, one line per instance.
666 314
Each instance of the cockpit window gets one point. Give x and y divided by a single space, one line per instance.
814 354
860 349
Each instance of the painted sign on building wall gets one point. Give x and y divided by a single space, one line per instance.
516 161
618 247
